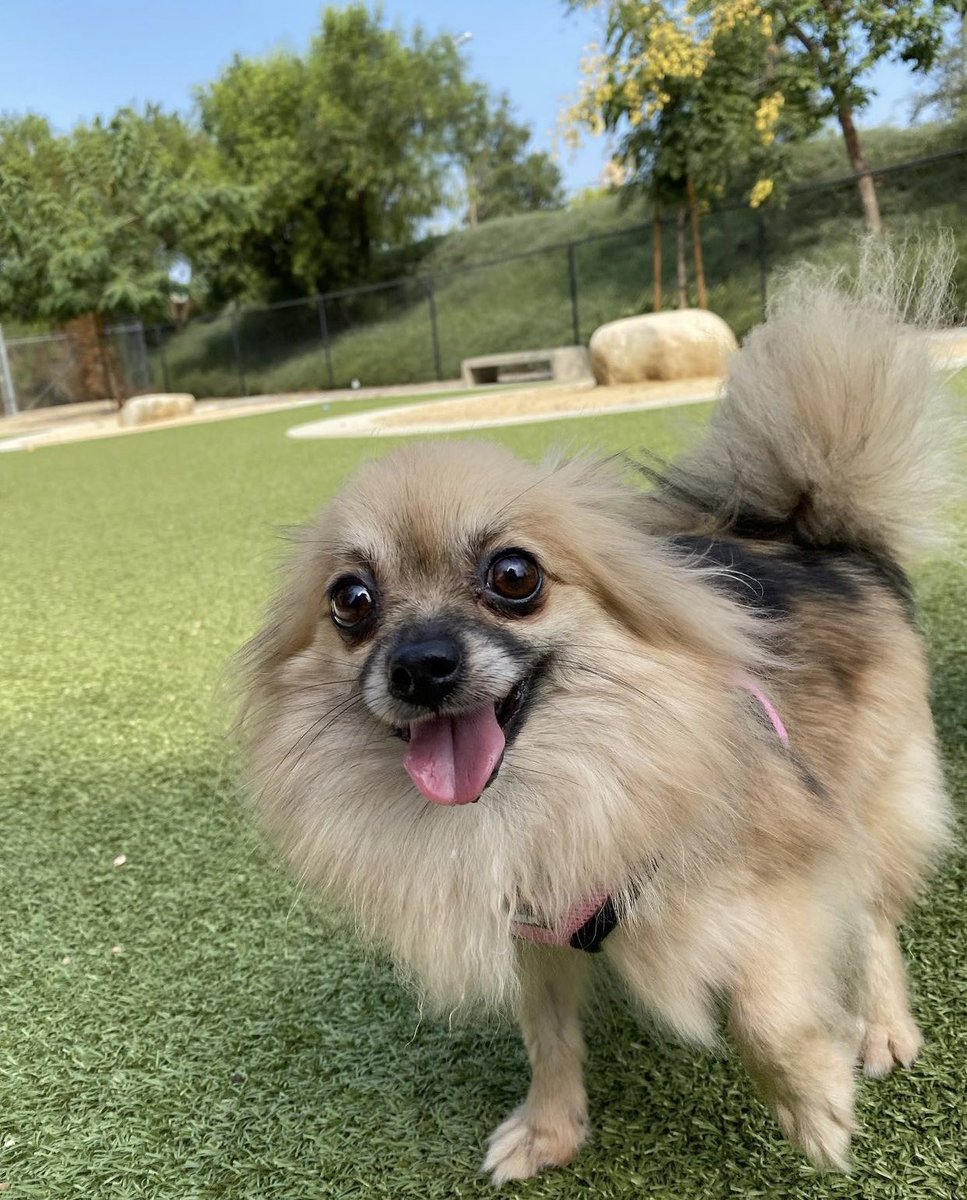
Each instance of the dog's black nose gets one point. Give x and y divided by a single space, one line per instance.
425 671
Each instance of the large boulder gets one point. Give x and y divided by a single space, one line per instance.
142 410
682 344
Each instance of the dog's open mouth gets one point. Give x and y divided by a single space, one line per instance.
453 757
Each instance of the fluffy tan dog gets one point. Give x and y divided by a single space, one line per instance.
696 722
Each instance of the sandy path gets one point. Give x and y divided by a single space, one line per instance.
485 409
477 409
98 418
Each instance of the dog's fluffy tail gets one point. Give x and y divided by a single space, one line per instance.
834 428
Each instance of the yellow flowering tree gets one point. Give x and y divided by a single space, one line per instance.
691 84
695 91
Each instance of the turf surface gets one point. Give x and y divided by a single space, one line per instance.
187 1024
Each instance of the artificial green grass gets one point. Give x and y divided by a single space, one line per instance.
189 1025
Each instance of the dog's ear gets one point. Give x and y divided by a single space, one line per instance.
640 579
298 606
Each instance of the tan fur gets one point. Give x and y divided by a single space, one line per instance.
772 878
835 398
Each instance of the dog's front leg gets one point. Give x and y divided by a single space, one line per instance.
550 1127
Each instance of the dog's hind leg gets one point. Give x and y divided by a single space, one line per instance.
890 1034
796 1039
907 819
550 1127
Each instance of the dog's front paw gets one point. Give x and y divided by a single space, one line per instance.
886 1046
524 1144
822 1131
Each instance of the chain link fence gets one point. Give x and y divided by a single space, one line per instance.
45 369
420 328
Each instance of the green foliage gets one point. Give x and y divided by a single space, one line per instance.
709 129
299 175
349 148
501 174
694 92
93 222
831 48
713 89
946 91
345 146
525 303
834 45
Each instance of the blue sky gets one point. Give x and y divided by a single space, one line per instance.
73 60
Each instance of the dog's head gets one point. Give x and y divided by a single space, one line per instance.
452 591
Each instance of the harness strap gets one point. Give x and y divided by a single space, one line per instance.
583 927
769 708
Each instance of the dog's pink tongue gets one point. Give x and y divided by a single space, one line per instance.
450 759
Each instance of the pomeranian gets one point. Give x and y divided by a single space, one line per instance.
507 715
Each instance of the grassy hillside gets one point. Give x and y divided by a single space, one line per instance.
485 305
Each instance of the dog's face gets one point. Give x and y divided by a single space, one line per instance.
451 649
447 598
453 593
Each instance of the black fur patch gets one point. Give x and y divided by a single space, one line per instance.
769 580
815 786
877 563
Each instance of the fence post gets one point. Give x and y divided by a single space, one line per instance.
572 273
431 300
763 262
143 355
324 334
162 358
7 391
237 344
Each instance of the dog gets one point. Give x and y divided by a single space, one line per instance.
508 715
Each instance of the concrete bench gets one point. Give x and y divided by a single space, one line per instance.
563 364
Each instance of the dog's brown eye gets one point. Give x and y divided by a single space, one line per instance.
515 578
351 602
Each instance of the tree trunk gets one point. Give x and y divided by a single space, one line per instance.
109 367
681 266
697 246
867 189
472 220
93 374
656 257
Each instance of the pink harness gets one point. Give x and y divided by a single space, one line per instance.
585 925
771 711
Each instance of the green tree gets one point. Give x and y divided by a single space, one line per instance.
94 221
695 94
346 147
947 88
501 173
658 55
833 45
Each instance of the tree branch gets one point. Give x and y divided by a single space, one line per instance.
810 43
